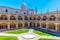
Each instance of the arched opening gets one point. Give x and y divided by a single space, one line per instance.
38 18
44 18
3 17
43 24
3 26
32 24
51 26
26 24
12 18
20 25
38 24
30 18
52 17
12 26
25 18
20 18
34 18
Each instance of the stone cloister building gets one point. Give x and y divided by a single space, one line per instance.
11 18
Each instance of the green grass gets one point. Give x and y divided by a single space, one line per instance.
42 33
8 38
18 31
47 39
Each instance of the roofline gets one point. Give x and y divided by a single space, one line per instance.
9 8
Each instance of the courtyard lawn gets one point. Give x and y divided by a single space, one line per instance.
42 33
47 39
8 38
18 31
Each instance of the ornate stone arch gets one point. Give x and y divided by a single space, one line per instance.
38 18
51 26
20 25
12 25
20 18
52 17
26 24
25 18
32 24
3 26
44 18
3 17
12 17
38 24
43 24
32 17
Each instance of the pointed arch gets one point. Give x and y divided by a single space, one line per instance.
51 26
20 18
25 18
20 25
52 17
38 18
44 18
12 18
43 24
12 25
3 26
3 17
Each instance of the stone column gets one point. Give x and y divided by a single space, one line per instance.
8 26
17 25
47 26
36 24
40 25
56 28
17 20
28 24
23 25
8 20
23 18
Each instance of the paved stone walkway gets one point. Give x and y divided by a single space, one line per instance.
19 36
30 32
